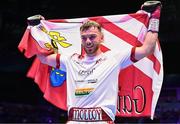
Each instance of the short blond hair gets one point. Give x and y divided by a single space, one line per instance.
88 24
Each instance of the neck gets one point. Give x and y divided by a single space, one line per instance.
98 52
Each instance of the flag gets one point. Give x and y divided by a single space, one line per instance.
139 84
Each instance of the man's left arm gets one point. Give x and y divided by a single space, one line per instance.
154 7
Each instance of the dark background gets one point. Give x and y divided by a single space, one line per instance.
20 98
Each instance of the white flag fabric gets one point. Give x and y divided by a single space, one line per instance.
139 84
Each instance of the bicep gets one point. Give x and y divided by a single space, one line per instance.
148 46
49 60
139 53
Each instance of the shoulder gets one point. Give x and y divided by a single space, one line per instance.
120 53
67 57
75 56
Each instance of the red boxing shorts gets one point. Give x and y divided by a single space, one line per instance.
96 114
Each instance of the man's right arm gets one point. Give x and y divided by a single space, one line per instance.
47 57
154 7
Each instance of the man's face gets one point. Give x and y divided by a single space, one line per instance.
91 39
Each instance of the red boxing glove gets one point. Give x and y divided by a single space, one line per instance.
153 7
150 6
154 20
156 13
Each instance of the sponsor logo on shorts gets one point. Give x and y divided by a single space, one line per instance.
89 114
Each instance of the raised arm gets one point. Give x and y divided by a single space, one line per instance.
154 7
47 56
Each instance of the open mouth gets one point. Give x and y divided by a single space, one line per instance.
89 46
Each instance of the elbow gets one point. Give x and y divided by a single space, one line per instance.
42 58
150 50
